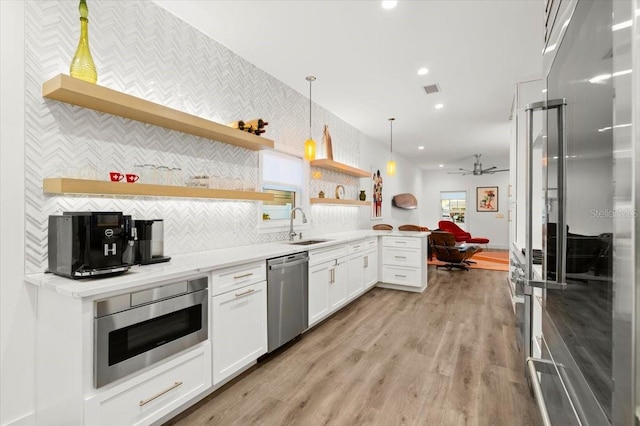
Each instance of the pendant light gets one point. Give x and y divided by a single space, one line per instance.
310 144
391 165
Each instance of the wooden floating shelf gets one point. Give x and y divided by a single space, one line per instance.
340 168
100 187
339 202
99 98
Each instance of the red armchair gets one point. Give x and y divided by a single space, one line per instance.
460 235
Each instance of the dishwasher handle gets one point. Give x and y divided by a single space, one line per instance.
288 264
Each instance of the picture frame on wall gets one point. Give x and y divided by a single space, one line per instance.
487 198
376 191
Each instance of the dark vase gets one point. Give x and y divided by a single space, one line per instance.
362 196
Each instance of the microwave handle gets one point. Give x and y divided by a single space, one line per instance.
561 230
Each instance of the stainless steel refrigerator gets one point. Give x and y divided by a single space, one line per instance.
581 175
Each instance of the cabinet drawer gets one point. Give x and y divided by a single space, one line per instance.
400 275
406 242
370 243
355 246
154 397
234 277
327 253
401 257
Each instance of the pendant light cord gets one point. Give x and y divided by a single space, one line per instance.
391 134
310 80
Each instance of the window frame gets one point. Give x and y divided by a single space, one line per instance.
466 198
302 198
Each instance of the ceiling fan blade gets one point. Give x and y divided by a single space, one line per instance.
490 168
490 172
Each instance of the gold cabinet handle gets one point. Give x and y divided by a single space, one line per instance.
237 277
159 394
244 293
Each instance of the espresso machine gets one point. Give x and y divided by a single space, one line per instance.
89 244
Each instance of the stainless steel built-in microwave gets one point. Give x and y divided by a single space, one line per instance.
135 330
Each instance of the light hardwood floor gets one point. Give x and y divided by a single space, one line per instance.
447 356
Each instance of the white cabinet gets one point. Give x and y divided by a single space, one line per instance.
362 266
525 93
319 281
338 284
153 394
65 355
327 281
404 263
327 289
239 318
239 325
370 268
355 269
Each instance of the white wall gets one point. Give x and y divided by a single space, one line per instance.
17 310
408 179
493 225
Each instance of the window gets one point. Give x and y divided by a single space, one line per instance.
281 175
453 206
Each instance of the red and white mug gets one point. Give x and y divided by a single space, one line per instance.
116 176
132 177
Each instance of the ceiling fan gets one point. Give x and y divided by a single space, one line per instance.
478 170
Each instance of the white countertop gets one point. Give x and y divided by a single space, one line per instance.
184 265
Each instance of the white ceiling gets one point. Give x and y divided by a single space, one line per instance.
366 61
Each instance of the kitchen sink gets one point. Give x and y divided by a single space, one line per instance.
308 242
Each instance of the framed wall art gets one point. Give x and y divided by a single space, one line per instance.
487 199
376 190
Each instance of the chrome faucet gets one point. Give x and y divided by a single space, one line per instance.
304 220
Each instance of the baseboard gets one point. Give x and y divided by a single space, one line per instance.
402 287
26 420
498 247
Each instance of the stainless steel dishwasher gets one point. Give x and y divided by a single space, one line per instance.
287 298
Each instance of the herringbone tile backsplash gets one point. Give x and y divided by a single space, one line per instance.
141 49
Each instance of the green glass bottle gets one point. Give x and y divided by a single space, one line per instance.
82 65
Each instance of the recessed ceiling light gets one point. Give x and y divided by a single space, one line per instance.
423 71
389 4
544 90
440 165
421 147
439 106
